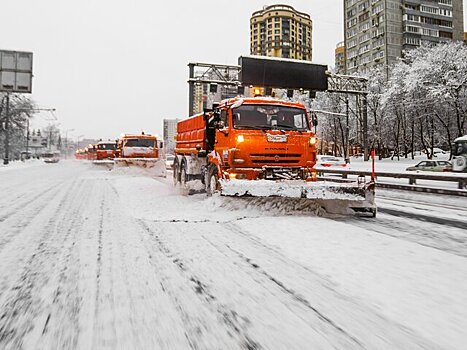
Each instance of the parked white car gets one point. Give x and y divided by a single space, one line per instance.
169 161
330 161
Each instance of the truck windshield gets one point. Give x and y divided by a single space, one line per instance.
139 143
269 117
106 146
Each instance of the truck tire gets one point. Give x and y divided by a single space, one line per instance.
176 173
183 175
212 183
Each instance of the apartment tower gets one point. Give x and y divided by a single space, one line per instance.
281 31
377 32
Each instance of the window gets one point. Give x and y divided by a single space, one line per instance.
429 9
430 32
412 29
412 41
224 118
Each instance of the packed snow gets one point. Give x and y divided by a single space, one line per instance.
99 259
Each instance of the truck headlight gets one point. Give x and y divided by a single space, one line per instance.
313 140
240 138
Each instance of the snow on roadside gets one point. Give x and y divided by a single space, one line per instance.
21 165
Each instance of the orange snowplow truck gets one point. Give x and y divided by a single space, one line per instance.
246 138
138 146
141 150
261 147
105 150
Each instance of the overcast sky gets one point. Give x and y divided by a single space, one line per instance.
110 66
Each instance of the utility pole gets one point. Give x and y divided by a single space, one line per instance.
347 129
27 138
6 159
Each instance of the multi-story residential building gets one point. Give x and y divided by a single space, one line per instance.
377 32
340 58
170 130
281 31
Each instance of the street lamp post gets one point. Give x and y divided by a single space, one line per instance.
77 140
66 142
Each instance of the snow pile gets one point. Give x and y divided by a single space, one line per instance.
290 189
153 169
20 165
266 205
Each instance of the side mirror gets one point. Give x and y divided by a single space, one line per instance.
161 144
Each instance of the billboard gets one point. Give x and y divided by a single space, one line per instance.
15 71
282 73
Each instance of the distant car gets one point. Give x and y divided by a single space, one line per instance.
431 165
330 161
169 161
51 157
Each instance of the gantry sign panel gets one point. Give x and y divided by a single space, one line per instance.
15 71
282 73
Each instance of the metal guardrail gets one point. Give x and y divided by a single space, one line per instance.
460 179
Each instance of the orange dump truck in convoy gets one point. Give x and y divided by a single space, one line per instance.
142 150
256 147
105 152
90 152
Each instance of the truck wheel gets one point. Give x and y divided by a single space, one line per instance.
183 176
176 174
212 183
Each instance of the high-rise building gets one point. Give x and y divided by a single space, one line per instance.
170 130
340 58
281 31
377 32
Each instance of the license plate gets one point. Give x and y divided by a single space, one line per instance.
276 138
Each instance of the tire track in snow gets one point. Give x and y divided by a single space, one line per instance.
23 218
447 239
23 305
23 205
230 316
101 339
197 330
375 330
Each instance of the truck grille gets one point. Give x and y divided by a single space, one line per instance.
277 158
280 161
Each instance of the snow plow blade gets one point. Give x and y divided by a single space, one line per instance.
334 198
154 166
108 163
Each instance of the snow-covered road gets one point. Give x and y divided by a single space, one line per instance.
97 259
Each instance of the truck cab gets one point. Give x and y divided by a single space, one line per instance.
138 146
105 150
